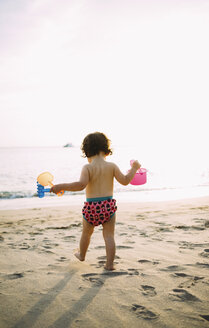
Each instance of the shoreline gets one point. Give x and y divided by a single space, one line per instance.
134 196
120 202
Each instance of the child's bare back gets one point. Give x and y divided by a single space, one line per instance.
101 176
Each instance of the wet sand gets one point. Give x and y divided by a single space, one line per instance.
161 277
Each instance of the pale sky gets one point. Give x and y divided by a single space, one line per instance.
136 70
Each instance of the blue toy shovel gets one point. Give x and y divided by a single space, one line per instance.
43 180
41 190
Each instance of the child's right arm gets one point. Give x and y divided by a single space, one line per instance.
126 179
73 186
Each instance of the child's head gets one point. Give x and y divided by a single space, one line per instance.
94 143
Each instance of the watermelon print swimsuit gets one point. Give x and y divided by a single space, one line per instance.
99 210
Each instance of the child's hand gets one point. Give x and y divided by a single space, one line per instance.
55 189
136 165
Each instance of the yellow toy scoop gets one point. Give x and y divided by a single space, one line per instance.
45 179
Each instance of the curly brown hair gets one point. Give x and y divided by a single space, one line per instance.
94 143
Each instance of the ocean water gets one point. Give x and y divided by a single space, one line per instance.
167 179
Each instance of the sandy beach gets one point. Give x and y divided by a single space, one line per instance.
161 277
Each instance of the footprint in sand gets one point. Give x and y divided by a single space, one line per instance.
47 246
193 227
144 261
142 312
99 247
62 259
188 245
133 272
12 245
69 238
75 225
130 242
102 261
203 265
171 268
118 247
92 277
103 257
24 246
98 279
14 276
100 264
164 229
34 233
148 290
143 234
47 251
140 217
181 274
182 295
190 281
154 262
205 253
123 247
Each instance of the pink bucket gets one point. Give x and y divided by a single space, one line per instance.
140 177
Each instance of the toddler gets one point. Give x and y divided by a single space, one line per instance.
100 207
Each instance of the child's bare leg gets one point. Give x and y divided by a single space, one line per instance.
108 234
85 240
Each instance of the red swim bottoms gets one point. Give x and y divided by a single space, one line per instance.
99 210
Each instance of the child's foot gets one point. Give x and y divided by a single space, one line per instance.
109 267
79 257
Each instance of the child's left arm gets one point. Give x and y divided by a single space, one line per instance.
73 186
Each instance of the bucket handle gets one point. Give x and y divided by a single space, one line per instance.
141 170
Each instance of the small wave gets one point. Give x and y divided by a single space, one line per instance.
28 194
16 194
31 194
